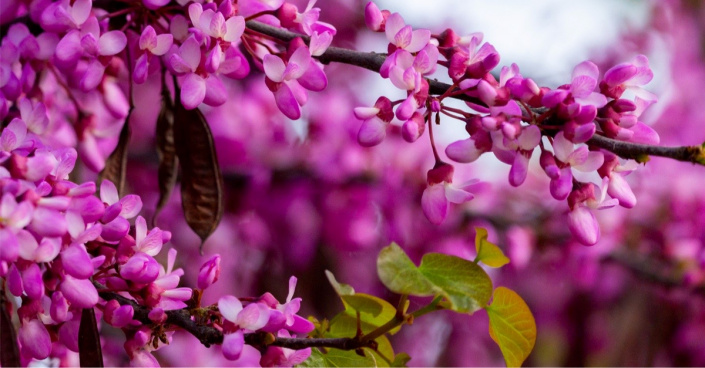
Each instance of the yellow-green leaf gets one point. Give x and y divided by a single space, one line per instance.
400 360
488 253
512 326
341 289
339 358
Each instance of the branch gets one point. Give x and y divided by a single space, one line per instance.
652 271
208 335
373 61
694 154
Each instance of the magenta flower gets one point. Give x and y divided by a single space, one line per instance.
375 122
283 80
440 191
79 292
252 318
34 339
117 315
140 268
118 211
197 85
214 24
618 187
403 37
163 292
306 21
151 44
12 138
374 18
629 76
560 172
581 88
471 61
581 221
209 272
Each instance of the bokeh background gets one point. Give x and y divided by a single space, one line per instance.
304 197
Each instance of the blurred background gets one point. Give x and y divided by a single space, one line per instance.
303 196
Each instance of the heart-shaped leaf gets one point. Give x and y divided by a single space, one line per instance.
512 326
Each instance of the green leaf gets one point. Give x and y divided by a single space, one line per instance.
341 289
512 326
400 275
488 253
400 360
339 358
316 359
465 284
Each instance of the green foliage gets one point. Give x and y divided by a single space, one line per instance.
488 253
455 283
464 284
338 358
512 326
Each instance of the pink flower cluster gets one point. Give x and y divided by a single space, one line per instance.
511 117
60 242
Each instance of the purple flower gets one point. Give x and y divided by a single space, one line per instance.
140 268
375 122
282 80
34 339
209 272
581 221
440 191
403 37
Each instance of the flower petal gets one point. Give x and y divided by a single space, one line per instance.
229 307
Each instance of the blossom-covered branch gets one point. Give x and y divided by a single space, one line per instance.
373 61
209 335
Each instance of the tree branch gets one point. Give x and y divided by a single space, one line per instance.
208 335
652 271
373 61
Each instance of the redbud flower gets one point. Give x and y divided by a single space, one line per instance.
374 18
435 198
581 221
253 317
34 339
631 75
151 44
117 315
140 268
79 292
581 88
209 272
401 35
375 121
581 158
468 60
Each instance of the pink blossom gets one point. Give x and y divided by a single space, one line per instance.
375 122
403 37
34 339
209 272
283 80
440 191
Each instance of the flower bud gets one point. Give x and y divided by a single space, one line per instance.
209 272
